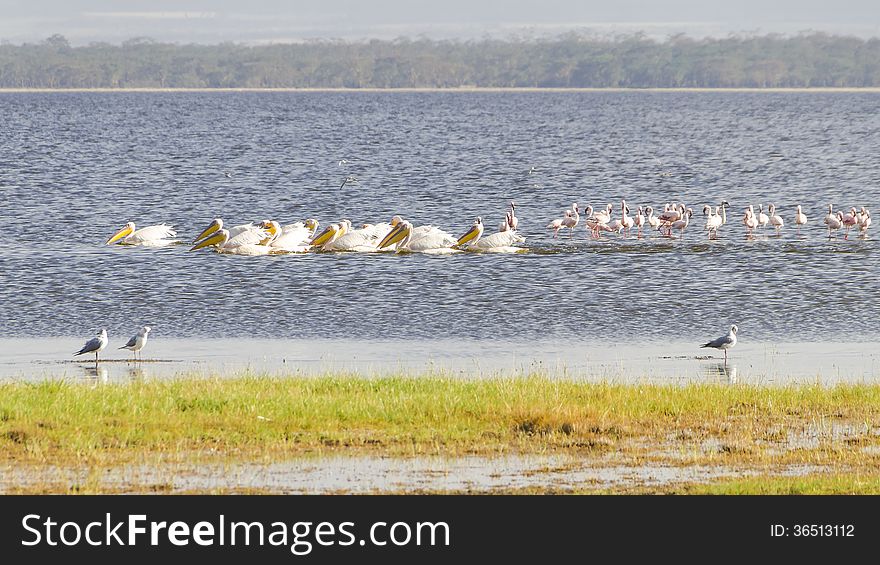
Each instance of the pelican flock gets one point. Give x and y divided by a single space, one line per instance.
270 237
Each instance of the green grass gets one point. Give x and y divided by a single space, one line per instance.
835 483
265 419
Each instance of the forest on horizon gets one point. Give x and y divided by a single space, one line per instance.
568 61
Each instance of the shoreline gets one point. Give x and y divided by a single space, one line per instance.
816 90
680 361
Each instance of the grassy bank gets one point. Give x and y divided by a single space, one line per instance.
759 429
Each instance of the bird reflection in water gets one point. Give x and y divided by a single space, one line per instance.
96 373
136 374
721 372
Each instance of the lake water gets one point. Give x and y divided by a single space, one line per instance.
74 167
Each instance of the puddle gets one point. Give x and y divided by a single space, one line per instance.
365 475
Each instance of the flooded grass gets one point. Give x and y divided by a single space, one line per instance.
499 435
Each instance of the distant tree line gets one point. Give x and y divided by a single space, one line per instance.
571 60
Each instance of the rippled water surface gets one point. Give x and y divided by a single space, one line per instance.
75 167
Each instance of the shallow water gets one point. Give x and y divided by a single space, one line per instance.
340 474
75 166
26 359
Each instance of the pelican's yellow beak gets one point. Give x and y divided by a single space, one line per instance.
394 236
470 235
212 240
325 235
273 233
120 234
214 226
312 224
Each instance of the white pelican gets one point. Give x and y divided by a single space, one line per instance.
363 239
775 219
724 342
849 220
95 345
138 341
472 236
235 246
800 218
834 222
400 235
243 233
331 233
422 239
151 236
501 242
763 219
292 238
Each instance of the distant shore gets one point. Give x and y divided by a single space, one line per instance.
457 89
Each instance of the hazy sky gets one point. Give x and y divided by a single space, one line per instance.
261 21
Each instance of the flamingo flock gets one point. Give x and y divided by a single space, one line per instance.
677 217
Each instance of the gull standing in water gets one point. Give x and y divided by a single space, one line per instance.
95 345
138 341
724 342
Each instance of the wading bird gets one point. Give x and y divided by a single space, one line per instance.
138 341
95 345
800 219
724 342
763 219
834 222
775 219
